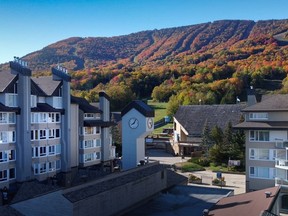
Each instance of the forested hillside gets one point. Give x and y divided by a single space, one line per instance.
210 62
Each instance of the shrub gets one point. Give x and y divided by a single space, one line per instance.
189 167
194 179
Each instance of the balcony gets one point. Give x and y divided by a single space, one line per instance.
280 181
281 144
281 164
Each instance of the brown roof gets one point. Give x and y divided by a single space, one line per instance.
194 117
277 102
262 125
253 203
47 84
6 78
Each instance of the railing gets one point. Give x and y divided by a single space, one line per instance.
281 163
281 144
11 100
281 181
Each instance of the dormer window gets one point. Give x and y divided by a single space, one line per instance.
91 115
258 116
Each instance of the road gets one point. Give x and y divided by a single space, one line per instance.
233 181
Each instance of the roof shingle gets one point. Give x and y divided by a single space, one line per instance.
194 117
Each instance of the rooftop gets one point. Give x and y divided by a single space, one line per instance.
252 204
194 117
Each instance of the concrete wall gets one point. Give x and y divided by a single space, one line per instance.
118 199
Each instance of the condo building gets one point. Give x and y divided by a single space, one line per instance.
266 131
45 132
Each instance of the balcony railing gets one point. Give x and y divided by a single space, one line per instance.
281 163
281 144
281 181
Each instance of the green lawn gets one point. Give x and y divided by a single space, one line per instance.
160 113
160 109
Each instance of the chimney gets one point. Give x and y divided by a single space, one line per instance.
251 96
104 104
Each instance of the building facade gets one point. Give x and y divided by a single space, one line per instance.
45 131
266 131
190 122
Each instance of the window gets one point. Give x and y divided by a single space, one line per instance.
11 100
262 172
7 136
54 133
252 171
42 134
259 135
51 166
12 173
58 164
3 156
42 151
11 155
88 143
54 117
88 157
43 117
52 150
98 155
58 149
35 152
3 117
3 175
89 115
88 130
42 167
260 116
33 101
262 154
98 142
97 130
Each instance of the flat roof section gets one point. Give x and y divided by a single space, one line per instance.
182 200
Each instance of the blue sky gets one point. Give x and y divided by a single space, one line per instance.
30 25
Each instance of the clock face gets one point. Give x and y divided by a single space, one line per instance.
150 123
133 123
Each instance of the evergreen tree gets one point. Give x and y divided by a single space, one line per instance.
206 141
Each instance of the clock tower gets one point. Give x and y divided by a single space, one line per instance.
137 123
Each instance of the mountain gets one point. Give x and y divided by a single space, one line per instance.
205 52
166 44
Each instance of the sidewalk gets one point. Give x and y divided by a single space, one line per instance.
235 182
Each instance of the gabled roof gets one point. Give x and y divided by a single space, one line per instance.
141 107
252 204
84 105
7 78
277 102
47 84
194 117
36 90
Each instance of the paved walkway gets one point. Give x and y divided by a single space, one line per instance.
233 181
